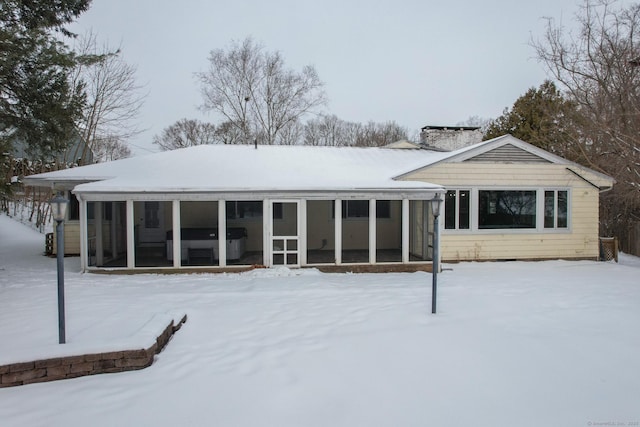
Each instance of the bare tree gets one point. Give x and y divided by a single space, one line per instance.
327 130
114 98
186 133
254 90
107 149
228 133
331 131
597 68
380 134
291 134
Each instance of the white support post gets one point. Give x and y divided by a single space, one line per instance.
113 232
426 226
405 231
131 242
372 231
97 215
267 232
338 231
302 233
84 237
177 235
222 233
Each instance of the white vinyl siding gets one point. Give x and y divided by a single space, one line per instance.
578 240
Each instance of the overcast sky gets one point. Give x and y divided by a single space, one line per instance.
417 62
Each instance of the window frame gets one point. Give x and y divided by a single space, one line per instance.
556 199
474 204
235 213
379 210
457 211
526 194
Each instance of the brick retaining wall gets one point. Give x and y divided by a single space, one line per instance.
61 368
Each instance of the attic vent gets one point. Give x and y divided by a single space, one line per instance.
508 154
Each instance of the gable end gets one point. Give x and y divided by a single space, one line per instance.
507 153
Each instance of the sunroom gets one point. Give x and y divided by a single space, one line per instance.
356 229
237 207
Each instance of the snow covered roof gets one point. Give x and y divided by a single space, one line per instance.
277 168
243 168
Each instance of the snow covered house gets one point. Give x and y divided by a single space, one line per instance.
362 209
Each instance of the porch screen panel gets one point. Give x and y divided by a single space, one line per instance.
420 231
92 237
320 232
199 234
389 231
355 231
106 234
244 233
153 228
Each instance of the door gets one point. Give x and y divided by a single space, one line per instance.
285 236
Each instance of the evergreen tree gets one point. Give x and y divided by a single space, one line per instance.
542 117
37 104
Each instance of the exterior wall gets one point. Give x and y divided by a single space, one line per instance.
580 240
71 238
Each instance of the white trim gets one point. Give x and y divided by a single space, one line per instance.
114 231
405 230
539 228
286 239
443 214
97 219
379 194
222 233
372 231
302 232
555 228
338 230
84 264
177 234
507 140
267 227
131 244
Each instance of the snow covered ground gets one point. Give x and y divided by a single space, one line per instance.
514 344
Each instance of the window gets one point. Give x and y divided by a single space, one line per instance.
383 208
456 210
74 207
91 210
245 210
355 209
556 209
506 209
360 209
